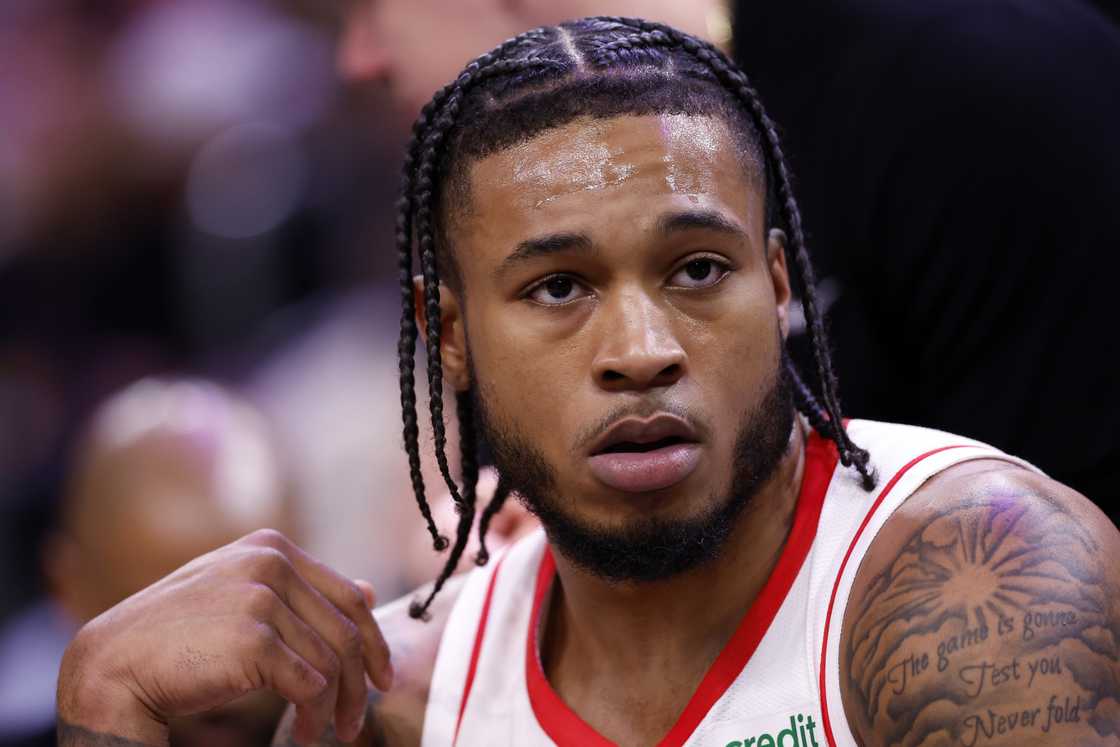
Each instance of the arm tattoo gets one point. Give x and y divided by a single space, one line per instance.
70 735
995 624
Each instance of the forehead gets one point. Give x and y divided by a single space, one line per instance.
593 171
683 153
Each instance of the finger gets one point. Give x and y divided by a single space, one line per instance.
345 700
367 592
316 623
347 598
296 680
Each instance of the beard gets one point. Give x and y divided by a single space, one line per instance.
648 548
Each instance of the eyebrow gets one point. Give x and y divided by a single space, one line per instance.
691 220
544 246
669 223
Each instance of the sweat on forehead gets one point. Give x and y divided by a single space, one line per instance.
681 151
486 126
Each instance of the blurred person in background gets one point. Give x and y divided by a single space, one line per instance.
167 470
183 186
927 138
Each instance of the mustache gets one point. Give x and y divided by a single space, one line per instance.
643 409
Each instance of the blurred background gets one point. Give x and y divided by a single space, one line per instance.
198 301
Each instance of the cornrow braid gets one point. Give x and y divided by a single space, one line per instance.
594 67
406 347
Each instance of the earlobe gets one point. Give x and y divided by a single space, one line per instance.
452 337
779 273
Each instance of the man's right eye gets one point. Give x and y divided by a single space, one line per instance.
556 290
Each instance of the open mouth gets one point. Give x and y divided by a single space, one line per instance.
632 447
641 456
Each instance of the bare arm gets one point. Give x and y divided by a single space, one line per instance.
986 613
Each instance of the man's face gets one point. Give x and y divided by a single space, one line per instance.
623 315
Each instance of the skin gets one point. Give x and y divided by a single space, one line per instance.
630 334
985 611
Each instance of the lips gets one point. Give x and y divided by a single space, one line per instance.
638 456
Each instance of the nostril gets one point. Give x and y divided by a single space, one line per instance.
612 376
672 371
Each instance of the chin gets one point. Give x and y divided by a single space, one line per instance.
689 500
641 537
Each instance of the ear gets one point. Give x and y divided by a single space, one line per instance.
779 274
452 334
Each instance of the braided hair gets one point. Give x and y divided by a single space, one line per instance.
597 67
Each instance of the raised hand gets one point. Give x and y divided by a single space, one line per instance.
258 613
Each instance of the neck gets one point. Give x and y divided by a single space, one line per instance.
688 618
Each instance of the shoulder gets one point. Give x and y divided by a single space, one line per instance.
986 611
400 712
396 717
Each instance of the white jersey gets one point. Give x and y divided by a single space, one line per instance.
775 684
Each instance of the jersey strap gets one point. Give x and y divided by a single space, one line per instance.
476 649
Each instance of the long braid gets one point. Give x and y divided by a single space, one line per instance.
805 400
501 493
468 444
406 347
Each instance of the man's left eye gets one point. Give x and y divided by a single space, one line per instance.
701 272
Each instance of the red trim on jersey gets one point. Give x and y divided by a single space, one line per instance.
562 724
559 722
477 649
826 722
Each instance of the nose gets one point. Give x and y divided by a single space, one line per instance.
640 349
359 57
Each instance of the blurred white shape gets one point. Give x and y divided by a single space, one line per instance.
246 181
231 438
246 474
184 69
150 405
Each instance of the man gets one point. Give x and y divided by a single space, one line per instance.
602 213
907 125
